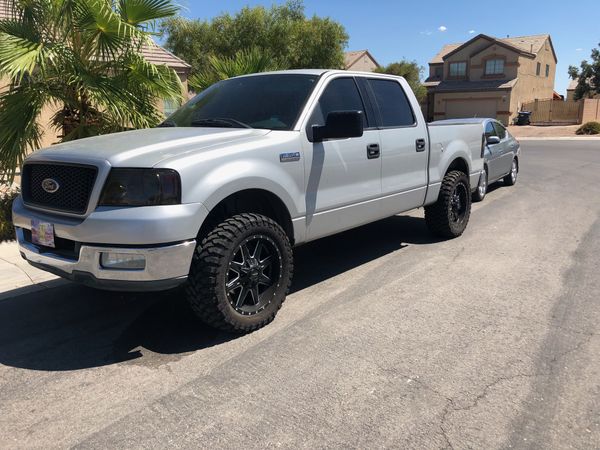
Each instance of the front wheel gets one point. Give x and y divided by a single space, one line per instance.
511 178
449 216
240 273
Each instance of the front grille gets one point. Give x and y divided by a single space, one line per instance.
75 184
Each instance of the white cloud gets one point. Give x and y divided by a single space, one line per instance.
426 32
471 31
442 28
578 49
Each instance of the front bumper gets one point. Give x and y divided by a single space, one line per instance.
167 266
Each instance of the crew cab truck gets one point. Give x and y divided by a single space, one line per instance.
217 195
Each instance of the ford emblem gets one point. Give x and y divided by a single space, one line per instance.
50 185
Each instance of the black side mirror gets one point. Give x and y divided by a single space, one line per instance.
339 125
491 140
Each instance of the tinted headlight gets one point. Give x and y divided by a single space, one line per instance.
141 187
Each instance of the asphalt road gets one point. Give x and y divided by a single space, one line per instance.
389 339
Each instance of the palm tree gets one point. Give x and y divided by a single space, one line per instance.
244 62
82 58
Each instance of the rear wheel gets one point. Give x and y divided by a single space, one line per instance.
240 273
479 194
511 178
449 216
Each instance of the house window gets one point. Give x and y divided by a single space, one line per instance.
547 70
458 69
438 72
170 106
494 67
538 69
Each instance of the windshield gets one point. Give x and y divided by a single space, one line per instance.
271 102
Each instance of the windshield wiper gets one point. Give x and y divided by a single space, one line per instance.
166 124
219 122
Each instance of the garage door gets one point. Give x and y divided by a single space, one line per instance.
471 108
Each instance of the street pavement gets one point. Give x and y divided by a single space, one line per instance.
389 339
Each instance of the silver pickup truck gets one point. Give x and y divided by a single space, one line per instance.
217 195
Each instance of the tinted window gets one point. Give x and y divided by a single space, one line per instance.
489 130
393 104
500 130
263 101
494 67
340 94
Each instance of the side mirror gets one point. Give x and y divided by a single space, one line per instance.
491 140
339 125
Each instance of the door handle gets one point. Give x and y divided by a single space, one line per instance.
420 143
373 151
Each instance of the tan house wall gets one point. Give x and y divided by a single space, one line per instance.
364 64
530 86
464 55
511 63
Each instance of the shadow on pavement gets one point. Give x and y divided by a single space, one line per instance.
72 327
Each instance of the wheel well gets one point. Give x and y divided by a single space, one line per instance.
256 201
460 165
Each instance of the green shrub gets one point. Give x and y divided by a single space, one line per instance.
7 231
589 128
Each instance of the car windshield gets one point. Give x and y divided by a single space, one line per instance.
271 102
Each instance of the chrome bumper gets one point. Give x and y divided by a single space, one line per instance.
166 266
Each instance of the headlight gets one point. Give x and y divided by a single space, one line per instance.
141 187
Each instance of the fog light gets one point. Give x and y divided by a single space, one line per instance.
122 261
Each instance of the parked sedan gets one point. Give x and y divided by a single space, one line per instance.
501 153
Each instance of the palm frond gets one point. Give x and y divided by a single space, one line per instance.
138 12
20 132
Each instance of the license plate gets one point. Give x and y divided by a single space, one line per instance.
42 233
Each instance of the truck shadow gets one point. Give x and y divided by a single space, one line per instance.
71 327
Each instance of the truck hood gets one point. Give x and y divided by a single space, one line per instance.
145 148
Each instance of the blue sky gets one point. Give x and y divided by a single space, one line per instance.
393 30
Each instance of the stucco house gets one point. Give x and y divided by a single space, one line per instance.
490 77
151 52
360 60
573 85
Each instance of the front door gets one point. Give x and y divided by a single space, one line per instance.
342 175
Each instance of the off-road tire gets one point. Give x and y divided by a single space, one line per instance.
206 286
438 216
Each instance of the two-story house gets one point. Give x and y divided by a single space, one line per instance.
490 77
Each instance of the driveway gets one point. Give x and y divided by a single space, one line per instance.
389 339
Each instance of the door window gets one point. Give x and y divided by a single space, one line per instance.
341 94
500 130
394 106
489 130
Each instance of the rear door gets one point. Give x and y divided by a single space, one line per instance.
342 175
404 146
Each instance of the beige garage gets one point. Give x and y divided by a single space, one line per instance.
471 108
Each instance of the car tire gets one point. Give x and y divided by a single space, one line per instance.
481 190
240 273
511 178
449 216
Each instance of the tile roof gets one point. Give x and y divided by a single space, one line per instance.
439 58
152 52
530 44
454 86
